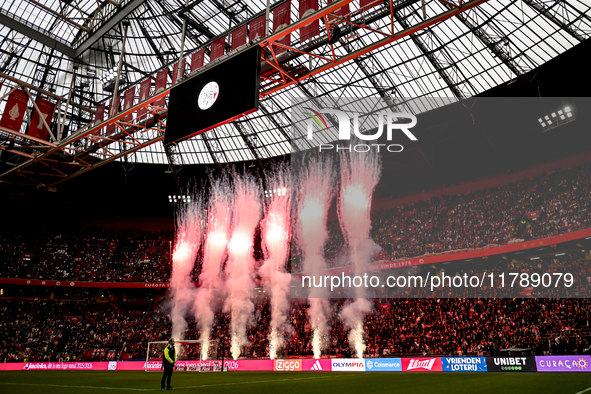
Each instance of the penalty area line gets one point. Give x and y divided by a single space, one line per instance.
584 391
76 387
262 381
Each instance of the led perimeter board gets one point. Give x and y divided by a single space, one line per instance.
219 95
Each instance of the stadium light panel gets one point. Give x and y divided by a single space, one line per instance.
557 118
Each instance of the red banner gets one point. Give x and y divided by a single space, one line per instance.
344 10
99 116
257 29
15 110
36 128
197 59
175 70
68 283
282 19
308 7
113 110
369 3
161 80
128 97
217 49
144 94
238 37
421 364
533 214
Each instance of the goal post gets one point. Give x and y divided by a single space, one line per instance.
189 356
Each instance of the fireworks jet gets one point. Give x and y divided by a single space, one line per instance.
189 223
275 236
239 270
360 173
314 198
219 217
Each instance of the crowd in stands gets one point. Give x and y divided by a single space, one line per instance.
549 204
87 254
561 201
442 322
43 330
47 329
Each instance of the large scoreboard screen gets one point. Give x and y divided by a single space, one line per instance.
219 95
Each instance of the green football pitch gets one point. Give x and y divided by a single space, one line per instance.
65 382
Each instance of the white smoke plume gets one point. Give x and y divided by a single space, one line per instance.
219 216
189 224
314 198
247 211
275 240
360 173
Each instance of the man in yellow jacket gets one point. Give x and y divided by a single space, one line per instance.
168 360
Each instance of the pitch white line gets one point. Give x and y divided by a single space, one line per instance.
76 387
261 381
183 387
584 391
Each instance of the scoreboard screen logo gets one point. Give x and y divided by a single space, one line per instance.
208 95
225 92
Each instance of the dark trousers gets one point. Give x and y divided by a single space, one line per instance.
167 375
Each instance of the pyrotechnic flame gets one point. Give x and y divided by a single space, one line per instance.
239 268
235 348
188 239
273 344
356 337
317 342
204 344
275 230
360 174
214 253
314 197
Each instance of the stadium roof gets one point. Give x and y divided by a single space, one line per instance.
43 42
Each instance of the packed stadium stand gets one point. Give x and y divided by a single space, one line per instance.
558 200
111 324
89 326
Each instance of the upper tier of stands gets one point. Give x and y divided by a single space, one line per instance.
552 203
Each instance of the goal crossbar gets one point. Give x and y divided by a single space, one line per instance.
189 356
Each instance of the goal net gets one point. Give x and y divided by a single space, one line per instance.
190 356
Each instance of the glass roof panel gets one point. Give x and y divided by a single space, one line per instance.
451 58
